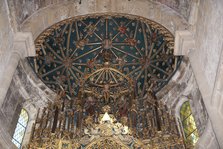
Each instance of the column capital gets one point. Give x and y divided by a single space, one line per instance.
184 42
24 44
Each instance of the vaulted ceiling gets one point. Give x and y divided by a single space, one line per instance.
134 47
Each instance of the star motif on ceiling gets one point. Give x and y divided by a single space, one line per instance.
139 48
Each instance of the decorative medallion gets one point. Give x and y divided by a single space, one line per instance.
73 49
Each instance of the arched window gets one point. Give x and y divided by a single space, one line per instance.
20 128
188 123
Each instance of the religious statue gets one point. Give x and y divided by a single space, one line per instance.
122 107
89 105
106 92
133 116
79 116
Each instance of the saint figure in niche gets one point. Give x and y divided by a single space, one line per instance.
90 105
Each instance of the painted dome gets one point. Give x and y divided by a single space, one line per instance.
73 49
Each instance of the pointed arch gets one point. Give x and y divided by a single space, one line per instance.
188 124
20 128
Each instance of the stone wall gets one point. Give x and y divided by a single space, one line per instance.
6 44
32 89
183 87
183 7
52 14
208 36
6 34
6 39
22 9
206 60
10 111
9 115
11 107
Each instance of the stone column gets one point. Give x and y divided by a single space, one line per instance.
23 46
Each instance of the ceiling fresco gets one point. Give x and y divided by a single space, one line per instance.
114 49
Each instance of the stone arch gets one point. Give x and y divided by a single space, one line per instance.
182 100
43 18
51 14
178 106
32 112
21 127
188 123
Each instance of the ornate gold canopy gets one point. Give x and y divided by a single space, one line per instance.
107 143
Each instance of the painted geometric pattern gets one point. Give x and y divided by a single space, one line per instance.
20 129
189 126
139 48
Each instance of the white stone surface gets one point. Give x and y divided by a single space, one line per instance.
184 42
52 14
6 40
206 60
207 140
24 44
